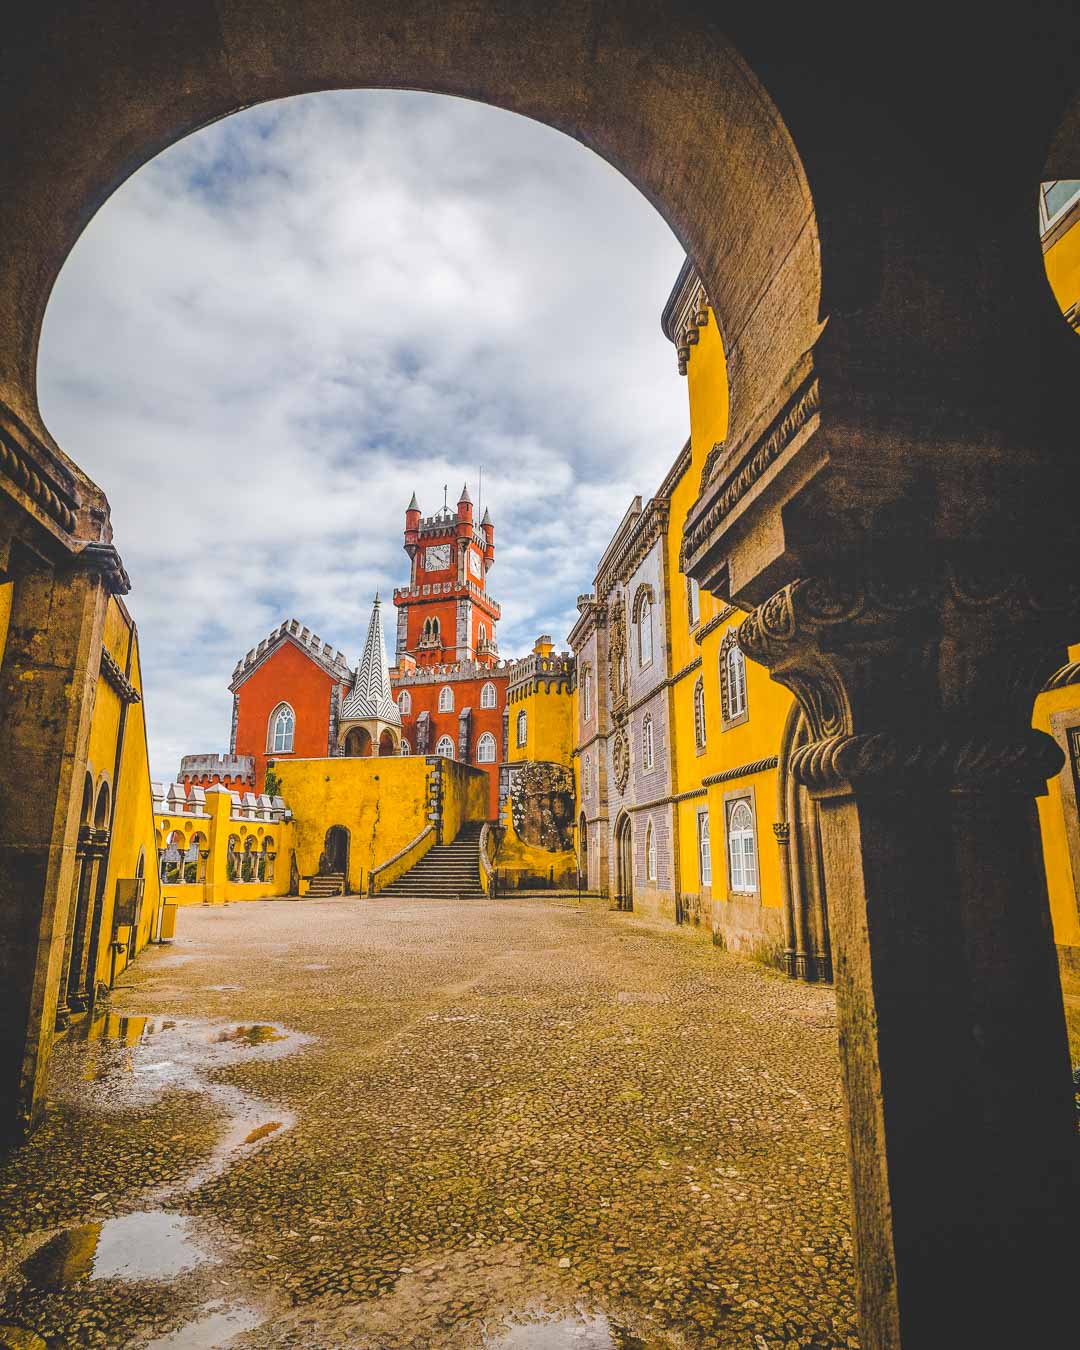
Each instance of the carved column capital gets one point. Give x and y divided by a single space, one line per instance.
782 830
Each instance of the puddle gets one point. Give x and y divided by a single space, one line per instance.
253 1035
261 1131
564 1331
150 1245
314 966
216 1327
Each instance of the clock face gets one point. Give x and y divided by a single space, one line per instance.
437 558
474 564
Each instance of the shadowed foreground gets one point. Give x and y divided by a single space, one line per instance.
380 1124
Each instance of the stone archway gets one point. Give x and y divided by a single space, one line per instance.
807 945
335 855
624 863
357 744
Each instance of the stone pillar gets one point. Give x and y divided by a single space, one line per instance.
782 830
918 688
47 685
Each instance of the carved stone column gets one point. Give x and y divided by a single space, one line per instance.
782 830
918 684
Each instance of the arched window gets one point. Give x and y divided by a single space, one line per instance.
445 747
645 635
699 714
704 849
586 693
650 853
733 708
446 699
693 602
435 630
485 749
232 859
404 748
249 861
488 697
647 742
481 634
742 849
586 776
282 728
404 702
522 728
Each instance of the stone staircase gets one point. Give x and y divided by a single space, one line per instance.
333 883
445 872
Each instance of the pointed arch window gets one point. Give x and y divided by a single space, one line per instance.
404 748
404 702
650 852
445 747
704 849
742 846
282 730
699 714
643 624
485 749
733 703
586 693
522 728
446 699
693 602
647 742
488 696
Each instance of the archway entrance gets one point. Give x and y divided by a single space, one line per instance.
624 864
335 854
583 850
387 743
358 743
807 944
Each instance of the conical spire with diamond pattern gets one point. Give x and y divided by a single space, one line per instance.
370 696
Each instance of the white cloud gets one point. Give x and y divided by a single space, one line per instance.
275 332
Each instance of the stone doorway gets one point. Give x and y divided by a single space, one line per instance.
624 864
335 854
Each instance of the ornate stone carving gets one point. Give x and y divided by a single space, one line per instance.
782 830
620 760
618 662
542 805
19 467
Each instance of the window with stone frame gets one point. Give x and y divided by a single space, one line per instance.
282 730
741 846
446 699
485 749
586 693
404 748
522 728
693 602
404 702
488 696
647 741
704 848
445 747
733 704
650 852
699 714
643 625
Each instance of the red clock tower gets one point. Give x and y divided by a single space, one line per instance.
445 614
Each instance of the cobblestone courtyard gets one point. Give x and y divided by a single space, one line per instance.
378 1124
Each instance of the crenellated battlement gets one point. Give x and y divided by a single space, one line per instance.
332 661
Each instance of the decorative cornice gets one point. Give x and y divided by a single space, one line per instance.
762 454
104 558
650 526
741 771
714 623
18 464
686 310
110 668
1067 675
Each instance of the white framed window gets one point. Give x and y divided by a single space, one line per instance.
282 730
445 747
699 714
693 601
650 852
446 699
522 728
704 848
645 635
586 776
742 847
404 702
1055 198
481 633
488 696
485 749
647 742
586 693
736 680
404 748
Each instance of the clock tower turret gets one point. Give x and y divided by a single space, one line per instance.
445 614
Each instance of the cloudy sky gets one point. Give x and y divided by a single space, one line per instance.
274 333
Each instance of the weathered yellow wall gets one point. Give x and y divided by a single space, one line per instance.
521 865
6 590
550 729
1062 262
465 793
381 802
1060 880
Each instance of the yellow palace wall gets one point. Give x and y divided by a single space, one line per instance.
1057 712
217 826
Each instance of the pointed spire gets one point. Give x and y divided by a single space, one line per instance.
371 695
465 495
487 517
413 505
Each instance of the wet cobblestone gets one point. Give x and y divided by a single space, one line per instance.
505 1114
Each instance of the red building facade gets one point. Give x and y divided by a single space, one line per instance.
447 679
